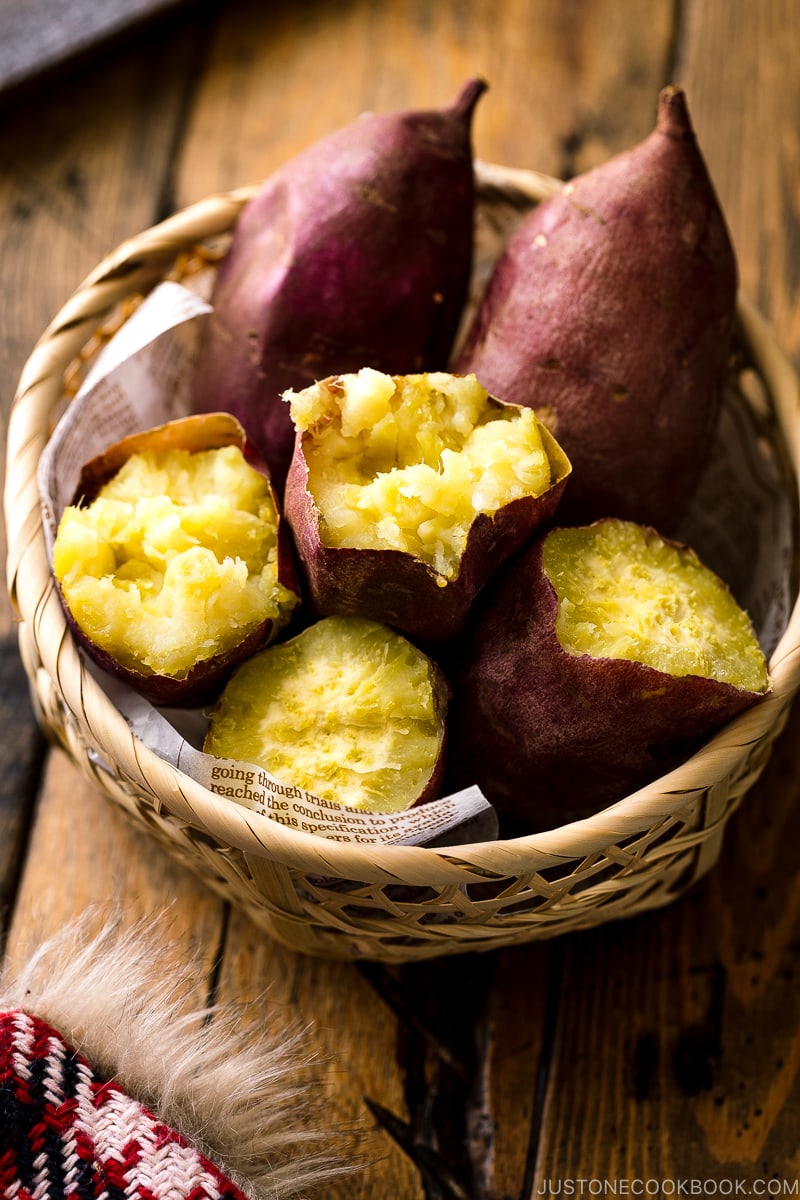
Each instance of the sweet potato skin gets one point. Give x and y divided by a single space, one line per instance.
442 693
553 737
199 686
611 313
355 253
396 588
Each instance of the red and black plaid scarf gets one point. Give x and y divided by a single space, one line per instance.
66 1134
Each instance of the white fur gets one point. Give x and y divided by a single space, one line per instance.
237 1099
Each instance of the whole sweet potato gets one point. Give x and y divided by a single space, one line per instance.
611 312
357 252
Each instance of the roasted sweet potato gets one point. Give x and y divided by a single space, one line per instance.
348 709
173 563
407 492
611 312
355 253
602 657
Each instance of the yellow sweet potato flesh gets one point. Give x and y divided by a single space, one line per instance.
347 709
408 462
623 592
175 561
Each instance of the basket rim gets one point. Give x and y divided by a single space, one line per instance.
136 265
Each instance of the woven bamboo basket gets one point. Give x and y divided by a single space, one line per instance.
390 903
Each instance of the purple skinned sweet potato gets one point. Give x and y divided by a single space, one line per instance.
602 657
407 493
173 562
357 252
611 313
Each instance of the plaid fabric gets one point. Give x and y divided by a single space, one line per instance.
66 1134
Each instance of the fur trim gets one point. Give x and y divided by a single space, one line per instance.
240 1103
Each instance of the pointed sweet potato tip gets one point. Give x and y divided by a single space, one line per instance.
464 104
673 114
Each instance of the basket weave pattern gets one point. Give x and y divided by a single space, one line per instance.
389 903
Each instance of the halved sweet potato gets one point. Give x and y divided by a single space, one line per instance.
603 656
357 252
348 709
406 493
173 562
611 312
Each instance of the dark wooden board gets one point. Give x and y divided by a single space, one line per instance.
38 37
22 751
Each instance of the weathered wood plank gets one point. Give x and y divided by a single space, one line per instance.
736 62
85 855
41 36
558 100
678 1049
522 1019
22 753
350 1041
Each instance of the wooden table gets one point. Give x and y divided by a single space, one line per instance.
665 1048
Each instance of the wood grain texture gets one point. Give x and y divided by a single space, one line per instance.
557 101
745 104
667 1047
83 856
350 1040
22 753
677 1042
40 35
